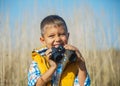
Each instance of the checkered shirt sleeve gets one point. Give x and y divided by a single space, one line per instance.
33 74
86 83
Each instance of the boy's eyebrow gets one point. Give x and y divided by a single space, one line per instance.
50 33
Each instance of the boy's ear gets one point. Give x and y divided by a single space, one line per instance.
68 35
42 40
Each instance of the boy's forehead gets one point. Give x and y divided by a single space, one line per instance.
48 26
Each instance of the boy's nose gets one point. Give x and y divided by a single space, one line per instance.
58 38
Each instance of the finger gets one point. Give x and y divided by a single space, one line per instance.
48 52
70 47
67 47
49 55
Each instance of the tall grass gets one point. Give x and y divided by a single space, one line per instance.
17 42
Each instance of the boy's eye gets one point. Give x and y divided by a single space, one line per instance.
51 36
62 34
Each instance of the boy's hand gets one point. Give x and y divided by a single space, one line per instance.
70 47
51 62
80 59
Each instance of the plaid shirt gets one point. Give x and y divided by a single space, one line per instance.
34 74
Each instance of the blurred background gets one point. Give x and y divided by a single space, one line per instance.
94 27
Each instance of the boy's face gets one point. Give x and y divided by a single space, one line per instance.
54 36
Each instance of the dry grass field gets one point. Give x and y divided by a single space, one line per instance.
18 40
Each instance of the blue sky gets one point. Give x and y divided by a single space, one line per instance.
16 9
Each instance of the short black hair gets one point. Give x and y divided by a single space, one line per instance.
52 19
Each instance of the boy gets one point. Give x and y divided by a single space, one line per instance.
46 72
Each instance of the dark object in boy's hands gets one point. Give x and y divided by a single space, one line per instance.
57 53
71 55
60 52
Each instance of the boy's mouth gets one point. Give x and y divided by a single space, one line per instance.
57 45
